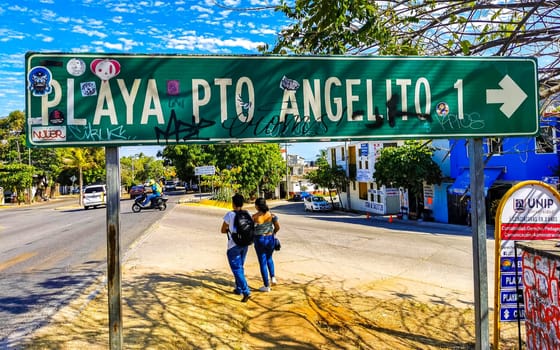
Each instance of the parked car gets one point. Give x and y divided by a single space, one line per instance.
316 203
170 186
136 190
94 196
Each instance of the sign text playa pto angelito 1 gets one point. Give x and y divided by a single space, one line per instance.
92 99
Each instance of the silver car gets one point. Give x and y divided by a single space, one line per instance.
316 203
94 196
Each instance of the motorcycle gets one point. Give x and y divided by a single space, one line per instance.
155 203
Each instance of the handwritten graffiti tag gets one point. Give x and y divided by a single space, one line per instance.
541 294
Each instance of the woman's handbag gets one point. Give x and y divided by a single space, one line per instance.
277 244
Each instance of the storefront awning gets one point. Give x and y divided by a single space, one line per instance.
463 181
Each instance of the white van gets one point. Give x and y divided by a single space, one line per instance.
94 196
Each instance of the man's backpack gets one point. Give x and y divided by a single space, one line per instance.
245 228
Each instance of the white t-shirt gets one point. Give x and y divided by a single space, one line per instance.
229 219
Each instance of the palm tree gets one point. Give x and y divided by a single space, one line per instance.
82 159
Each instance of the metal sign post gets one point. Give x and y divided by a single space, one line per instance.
113 247
478 222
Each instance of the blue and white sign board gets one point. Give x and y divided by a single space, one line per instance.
205 170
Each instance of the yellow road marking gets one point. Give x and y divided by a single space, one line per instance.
16 260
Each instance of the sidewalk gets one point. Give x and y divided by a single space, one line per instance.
391 221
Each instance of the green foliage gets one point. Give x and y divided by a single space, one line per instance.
12 148
223 183
261 165
330 27
184 158
328 176
16 178
44 162
407 166
429 27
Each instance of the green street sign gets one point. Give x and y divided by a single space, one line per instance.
121 100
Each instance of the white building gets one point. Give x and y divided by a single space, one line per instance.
363 194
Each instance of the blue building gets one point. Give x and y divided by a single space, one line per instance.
507 162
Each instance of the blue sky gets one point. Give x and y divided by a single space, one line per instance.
125 26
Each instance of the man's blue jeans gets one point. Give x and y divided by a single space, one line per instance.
236 257
148 199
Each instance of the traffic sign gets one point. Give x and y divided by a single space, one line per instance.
510 313
205 170
113 99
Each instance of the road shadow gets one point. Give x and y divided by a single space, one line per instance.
24 309
198 310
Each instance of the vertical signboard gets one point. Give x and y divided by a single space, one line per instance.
529 211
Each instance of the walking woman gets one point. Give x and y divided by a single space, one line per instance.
266 226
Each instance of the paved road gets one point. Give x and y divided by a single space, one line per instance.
423 259
50 252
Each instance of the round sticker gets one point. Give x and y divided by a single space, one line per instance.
442 109
76 67
56 117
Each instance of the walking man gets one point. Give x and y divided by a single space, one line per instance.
236 254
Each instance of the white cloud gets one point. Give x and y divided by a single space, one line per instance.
225 13
265 2
82 30
209 44
231 3
111 46
201 9
17 8
128 44
264 31
117 19
124 8
8 35
95 23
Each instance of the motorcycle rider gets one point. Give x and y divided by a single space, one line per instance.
156 192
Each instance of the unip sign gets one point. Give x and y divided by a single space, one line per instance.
529 211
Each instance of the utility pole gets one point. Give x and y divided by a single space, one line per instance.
287 174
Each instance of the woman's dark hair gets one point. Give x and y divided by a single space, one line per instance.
260 203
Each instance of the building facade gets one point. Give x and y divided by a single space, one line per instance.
507 162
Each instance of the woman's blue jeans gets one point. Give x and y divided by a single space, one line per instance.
236 257
264 246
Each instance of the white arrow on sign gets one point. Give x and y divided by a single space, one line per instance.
510 96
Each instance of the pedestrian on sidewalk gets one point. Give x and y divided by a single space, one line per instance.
266 227
236 254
